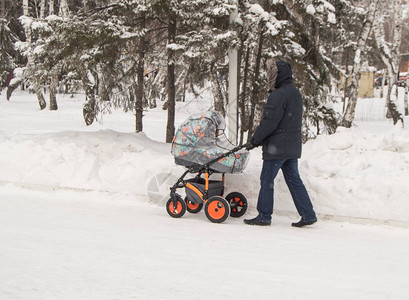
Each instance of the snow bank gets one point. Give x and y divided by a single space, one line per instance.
360 174
352 173
104 161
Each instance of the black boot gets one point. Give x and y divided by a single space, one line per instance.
303 223
257 221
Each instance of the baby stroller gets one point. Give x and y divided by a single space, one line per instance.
202 147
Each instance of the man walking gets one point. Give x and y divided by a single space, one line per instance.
280 134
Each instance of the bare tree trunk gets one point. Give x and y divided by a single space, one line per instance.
393 112
383 82
180 85
3 9
156 87
352 89
64 10
397 37
42 9
40 98
217 92
89 111
140 70
25 8
392 87
390 57
30 62
346 82
255 87
53 92
170 127
387 60
51 7
11 88
244 122
185 87
405 100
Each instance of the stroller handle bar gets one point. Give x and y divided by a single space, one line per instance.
206 165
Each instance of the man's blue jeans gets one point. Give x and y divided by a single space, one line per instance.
295 185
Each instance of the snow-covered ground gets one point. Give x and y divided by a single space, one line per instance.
82 214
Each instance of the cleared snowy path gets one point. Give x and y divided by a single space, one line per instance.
76 245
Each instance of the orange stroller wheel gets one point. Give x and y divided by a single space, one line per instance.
217 209
238 204
193 207
176 210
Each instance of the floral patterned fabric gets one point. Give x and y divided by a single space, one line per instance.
201 138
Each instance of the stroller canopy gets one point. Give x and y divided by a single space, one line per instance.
200 138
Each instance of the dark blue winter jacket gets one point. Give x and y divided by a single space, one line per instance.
280 128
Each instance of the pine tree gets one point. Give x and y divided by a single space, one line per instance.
30 73
191 40
125 52
303 33
7 53
89 47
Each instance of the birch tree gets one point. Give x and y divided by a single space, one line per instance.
392 111
390 55
64 10
51 7
353 77
25 8
42 9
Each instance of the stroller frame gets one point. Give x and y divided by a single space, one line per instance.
217 208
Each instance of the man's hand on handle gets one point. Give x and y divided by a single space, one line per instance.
250 145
